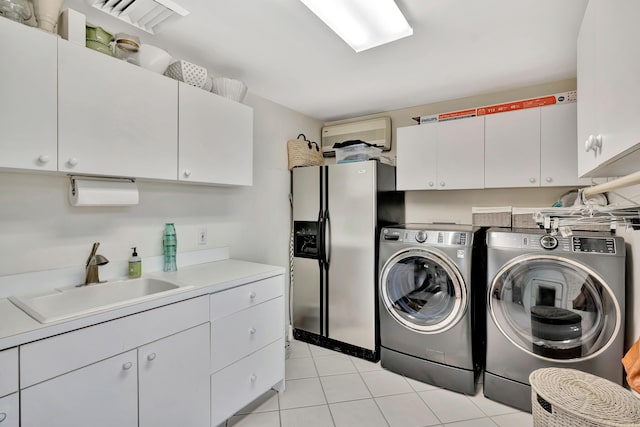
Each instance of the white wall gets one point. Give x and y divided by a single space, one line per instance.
41 231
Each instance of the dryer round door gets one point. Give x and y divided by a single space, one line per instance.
423 290
554 308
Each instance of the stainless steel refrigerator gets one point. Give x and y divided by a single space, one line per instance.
338 211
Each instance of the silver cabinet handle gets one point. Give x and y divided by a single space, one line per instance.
127 365
594 142
3 416
252 331
151 356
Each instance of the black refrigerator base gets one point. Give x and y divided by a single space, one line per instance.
342 347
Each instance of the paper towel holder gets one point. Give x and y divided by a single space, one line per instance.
72 180
86 190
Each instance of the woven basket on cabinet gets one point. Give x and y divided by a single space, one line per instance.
563 397
302 152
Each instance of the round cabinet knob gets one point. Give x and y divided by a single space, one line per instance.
252 331
151 357
421 237
594 142
252 295
532 180
126 366
3 416
441 183
549 179
43 158
253 378
431 184
72 161
187 173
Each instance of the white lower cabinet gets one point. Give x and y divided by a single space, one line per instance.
174 386
83 378
100 395
8 371
247 345
10 411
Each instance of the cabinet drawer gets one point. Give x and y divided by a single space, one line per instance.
239 384
10 411
236 299
8 371
54 356
246 331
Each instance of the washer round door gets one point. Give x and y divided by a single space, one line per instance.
423 290
554 308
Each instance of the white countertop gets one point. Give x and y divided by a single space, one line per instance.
16 327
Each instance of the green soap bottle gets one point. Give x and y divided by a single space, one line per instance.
135 265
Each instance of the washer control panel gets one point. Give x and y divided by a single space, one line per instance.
430 237
594 244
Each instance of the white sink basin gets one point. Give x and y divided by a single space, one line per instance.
63 303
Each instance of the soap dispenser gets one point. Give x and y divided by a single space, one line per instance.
135 265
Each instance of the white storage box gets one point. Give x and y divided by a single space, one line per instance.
493 216
357 153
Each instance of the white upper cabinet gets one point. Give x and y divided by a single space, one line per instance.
215 138
416 153
512 149
558 160
114 118
28 110
608 89
533 147
443 155
461 154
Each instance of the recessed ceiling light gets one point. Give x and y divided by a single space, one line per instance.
363 24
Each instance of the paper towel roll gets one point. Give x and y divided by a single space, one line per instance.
90 192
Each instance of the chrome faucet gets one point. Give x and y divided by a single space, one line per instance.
93 262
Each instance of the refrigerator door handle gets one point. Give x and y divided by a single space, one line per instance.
326 239
320 239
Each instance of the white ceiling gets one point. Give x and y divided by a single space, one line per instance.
286 54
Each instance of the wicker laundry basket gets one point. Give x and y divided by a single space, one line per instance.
563 397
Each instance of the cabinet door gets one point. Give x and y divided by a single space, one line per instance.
8 371
587 89
512 149
174 380
215 138
617 71
28 104
461 154
114 118
416 157
558 159
10 411
100 395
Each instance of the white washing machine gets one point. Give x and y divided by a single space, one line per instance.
552 301
432 303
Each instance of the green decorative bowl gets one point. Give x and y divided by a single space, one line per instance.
98 34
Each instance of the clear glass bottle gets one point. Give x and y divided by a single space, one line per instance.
169 244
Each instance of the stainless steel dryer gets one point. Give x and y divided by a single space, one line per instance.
431 327
552 301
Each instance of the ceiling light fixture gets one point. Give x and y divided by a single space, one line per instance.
363 24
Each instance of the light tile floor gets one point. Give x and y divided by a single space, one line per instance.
329 389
